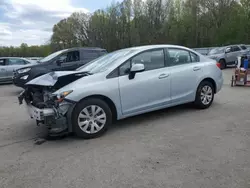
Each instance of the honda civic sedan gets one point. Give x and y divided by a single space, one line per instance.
121 84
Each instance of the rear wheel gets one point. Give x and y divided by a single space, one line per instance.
204 95
91 118
223 64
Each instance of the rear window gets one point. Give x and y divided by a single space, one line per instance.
103 52
92 54
243 47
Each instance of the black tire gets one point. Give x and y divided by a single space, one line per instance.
82 105
223 64
198 101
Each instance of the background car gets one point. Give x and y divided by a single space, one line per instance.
68 59
228 55
9 64
35 58
121 84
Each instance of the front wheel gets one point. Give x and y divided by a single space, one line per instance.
204 95
91 118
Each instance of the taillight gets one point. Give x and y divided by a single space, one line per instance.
218 65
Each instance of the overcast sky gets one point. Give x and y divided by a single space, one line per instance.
31 21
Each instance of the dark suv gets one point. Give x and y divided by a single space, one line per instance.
68 59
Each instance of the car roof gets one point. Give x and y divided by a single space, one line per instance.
149 47
85 48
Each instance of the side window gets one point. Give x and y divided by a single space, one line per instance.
103 52
243 47
15 62
235 48
89 54
63 57
194 57
178 57
2 62
125 68
151 59
72 56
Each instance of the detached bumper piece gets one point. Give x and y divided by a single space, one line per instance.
56 123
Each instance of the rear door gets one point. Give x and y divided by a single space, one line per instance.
186 72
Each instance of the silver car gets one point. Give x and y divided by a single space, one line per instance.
228 55
121 84
9 64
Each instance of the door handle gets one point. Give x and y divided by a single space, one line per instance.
196 68
162 76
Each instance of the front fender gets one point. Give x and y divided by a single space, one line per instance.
108 88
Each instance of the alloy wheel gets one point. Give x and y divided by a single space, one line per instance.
206 95
92 119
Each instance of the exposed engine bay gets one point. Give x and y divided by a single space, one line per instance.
46 107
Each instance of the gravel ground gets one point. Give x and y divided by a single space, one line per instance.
177 147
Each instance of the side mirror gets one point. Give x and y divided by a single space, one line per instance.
135 69
59 62
228 50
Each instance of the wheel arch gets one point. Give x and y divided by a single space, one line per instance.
223 59
110 103
208 79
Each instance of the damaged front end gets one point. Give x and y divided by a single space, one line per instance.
45 107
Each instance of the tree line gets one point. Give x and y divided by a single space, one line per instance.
191 23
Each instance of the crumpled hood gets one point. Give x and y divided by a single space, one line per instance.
51 78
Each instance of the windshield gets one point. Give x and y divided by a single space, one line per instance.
104 62
217 51
51 56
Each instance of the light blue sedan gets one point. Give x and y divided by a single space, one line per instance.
9 64
121 84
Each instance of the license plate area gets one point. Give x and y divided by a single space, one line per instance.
39 114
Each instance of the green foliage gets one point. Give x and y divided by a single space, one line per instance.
25 51
192 23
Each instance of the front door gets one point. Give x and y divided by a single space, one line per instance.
186 71
71 61
230 55
148 90
3 74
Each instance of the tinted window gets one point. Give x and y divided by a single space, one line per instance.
151 59
235 48
243 47
2 61
15 62
70 57
102 52
88 54
194 57
178 57
73 56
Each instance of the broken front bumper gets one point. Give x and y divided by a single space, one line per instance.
57 120
57 117
40 114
